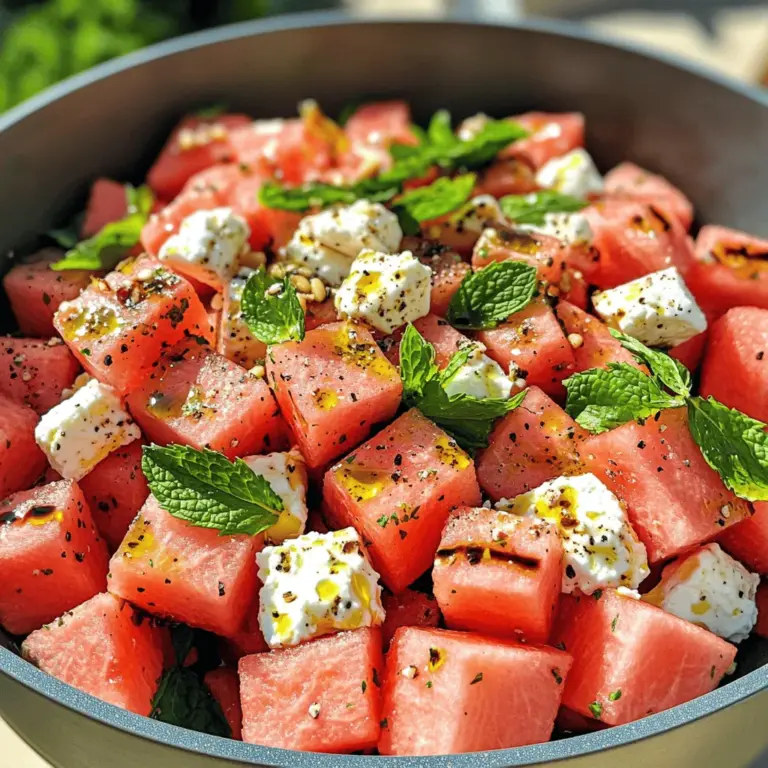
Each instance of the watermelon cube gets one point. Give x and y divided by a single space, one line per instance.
498 574
333 387
106 203
115 490
536 442
21 460
221 178
674 499
224 685
103 647
117 327
735 370
408 608
747 541
507 176
550 135
631 659
36 372
448 270
443 337
327 689
51 555
35 291
450 692
196 397
248 639
320 313
531 345
185 573
397 491
380 122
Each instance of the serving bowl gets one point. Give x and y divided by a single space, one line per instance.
707 135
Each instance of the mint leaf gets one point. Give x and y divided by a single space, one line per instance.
600 399
670 372
205 489
482 148
488 297
532 208
437 199
114 240
312 195
439 130
273 315
733 444
211 112
417 364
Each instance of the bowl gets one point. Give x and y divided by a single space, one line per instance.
706 134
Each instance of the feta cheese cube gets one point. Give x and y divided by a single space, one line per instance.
315 585
571 228
329 265
480 377
79 432
287 474
601 549
573 173
208 246
657 309
711 589
385 290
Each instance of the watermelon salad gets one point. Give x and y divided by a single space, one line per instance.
359 436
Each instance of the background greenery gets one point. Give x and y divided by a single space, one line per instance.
43 42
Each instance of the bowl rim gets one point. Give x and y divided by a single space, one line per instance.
84 704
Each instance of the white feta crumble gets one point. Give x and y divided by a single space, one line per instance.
314 585
601 549
711 589
385 290
208 246
287 474
480 377
571 228
85 428
573 173
657 309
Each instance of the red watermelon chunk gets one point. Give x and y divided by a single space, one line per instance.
103 647
675 499
450 692
438 332
21 460
397 490
35 291
185 573
118 327
106 203
35 372
322 696
408 608
380 123
551 135
224 685
499 575
320 313
507 176
333 387
690 353
747 541
531 345
221 179
248 639
196 397
51 556
735 370
115 490
631 659
536 442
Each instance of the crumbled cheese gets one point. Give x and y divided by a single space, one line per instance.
385 290
657 309
573 173
84 429
480 377
601 549
571 228
315 585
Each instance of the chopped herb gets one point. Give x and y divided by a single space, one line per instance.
556 674
428 683
437 199
383 520
614 622
597 594
532 208
596 708
270 308
478 678
614 695
364 686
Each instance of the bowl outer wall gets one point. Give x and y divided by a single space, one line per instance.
704 133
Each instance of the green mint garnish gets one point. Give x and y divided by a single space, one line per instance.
437 199
532 208
271 309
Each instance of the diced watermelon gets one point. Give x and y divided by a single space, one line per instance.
438 332
224 685
36 372
631 659
735 370
195 144
380 122
118 327
675 499
21 460
115 490
397 490
691 352
221 179
761 598
51 555
320 313
408 608
333 387
496 582
196 397
629 181
465 693
107 203
322 696
551 135
536 442
248 639
573 286
35 291
747 541
185 573
730 270
531 345
507 176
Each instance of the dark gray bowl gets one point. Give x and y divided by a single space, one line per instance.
706 134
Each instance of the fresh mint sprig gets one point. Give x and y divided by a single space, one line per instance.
270 308
533 207
439 198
